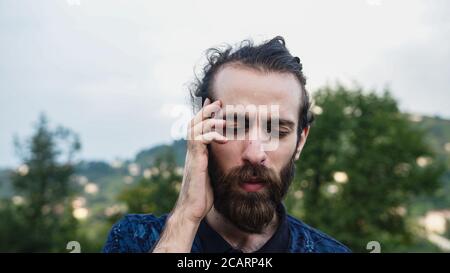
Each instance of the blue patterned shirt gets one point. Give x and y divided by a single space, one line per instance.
137 233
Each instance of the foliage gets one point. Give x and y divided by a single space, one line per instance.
362 166
38 218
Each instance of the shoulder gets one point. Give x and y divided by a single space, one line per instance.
134 233
308 239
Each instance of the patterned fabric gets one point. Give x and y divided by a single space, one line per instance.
137 233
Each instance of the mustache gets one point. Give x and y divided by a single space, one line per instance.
251 172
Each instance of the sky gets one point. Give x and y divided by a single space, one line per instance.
112 70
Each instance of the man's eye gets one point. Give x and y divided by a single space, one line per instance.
279 133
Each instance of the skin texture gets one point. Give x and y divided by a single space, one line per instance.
234 84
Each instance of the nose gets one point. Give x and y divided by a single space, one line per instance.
254 153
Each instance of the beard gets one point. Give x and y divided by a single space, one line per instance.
251 212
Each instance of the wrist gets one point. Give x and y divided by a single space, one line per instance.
180 218
178 234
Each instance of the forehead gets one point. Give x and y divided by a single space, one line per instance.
241 85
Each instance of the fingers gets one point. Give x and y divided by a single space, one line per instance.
209 125
212 136
202 124
205 131
207 110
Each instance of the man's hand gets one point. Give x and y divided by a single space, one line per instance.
196 197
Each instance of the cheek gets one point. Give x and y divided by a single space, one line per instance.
227 155
281 156
290 145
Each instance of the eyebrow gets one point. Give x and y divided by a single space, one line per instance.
285 122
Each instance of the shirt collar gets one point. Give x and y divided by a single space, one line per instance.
212 242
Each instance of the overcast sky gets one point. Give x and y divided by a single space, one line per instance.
110 70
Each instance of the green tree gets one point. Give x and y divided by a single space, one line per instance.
158 193
362 166
39 216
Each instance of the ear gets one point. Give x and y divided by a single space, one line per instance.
302 142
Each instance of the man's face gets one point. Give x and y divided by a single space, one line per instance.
249 182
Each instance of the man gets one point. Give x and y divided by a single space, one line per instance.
238 167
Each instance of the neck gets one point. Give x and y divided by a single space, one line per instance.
246 242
